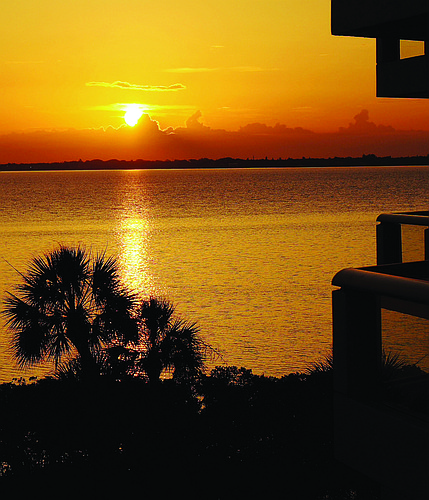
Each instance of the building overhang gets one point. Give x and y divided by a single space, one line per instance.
389 22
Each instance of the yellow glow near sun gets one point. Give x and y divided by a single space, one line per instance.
132 115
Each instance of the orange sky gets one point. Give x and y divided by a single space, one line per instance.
215 78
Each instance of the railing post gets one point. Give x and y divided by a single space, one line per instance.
426 243
389 243
357 343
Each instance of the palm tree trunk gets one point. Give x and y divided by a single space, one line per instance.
87 361
153 367
89 366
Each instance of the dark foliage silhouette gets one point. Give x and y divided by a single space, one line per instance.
255 436
70 304
168 346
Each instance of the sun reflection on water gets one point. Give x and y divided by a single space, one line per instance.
133 237
134 255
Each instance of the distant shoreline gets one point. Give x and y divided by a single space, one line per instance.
362 161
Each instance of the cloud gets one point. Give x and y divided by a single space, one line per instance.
132 86
362 125
193 123
239 69
191 70
252 69
25 62
146 108
196 140
278 129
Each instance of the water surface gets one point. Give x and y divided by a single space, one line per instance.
247 253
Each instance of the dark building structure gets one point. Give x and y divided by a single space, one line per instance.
390 22
382 423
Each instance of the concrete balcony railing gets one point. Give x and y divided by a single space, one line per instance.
389 234
387 442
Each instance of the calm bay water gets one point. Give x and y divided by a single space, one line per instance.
247 253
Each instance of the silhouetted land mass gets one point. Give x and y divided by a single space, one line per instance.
364 160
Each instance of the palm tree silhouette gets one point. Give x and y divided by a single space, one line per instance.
167 344
70 302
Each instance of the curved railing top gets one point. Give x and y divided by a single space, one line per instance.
375 281
412 218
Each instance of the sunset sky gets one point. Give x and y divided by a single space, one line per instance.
215 78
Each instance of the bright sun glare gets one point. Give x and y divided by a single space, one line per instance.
132 115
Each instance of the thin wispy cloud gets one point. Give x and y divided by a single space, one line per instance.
122 106
191 70
24 62
133 86
303 108
252 69
240 69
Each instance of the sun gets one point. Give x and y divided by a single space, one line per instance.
133 114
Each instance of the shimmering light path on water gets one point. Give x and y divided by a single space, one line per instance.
249 254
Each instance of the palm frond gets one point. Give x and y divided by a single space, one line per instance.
68 301
155 315
69 371
325 365
105 278
29 344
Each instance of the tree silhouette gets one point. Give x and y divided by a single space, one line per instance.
167 345
69 303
